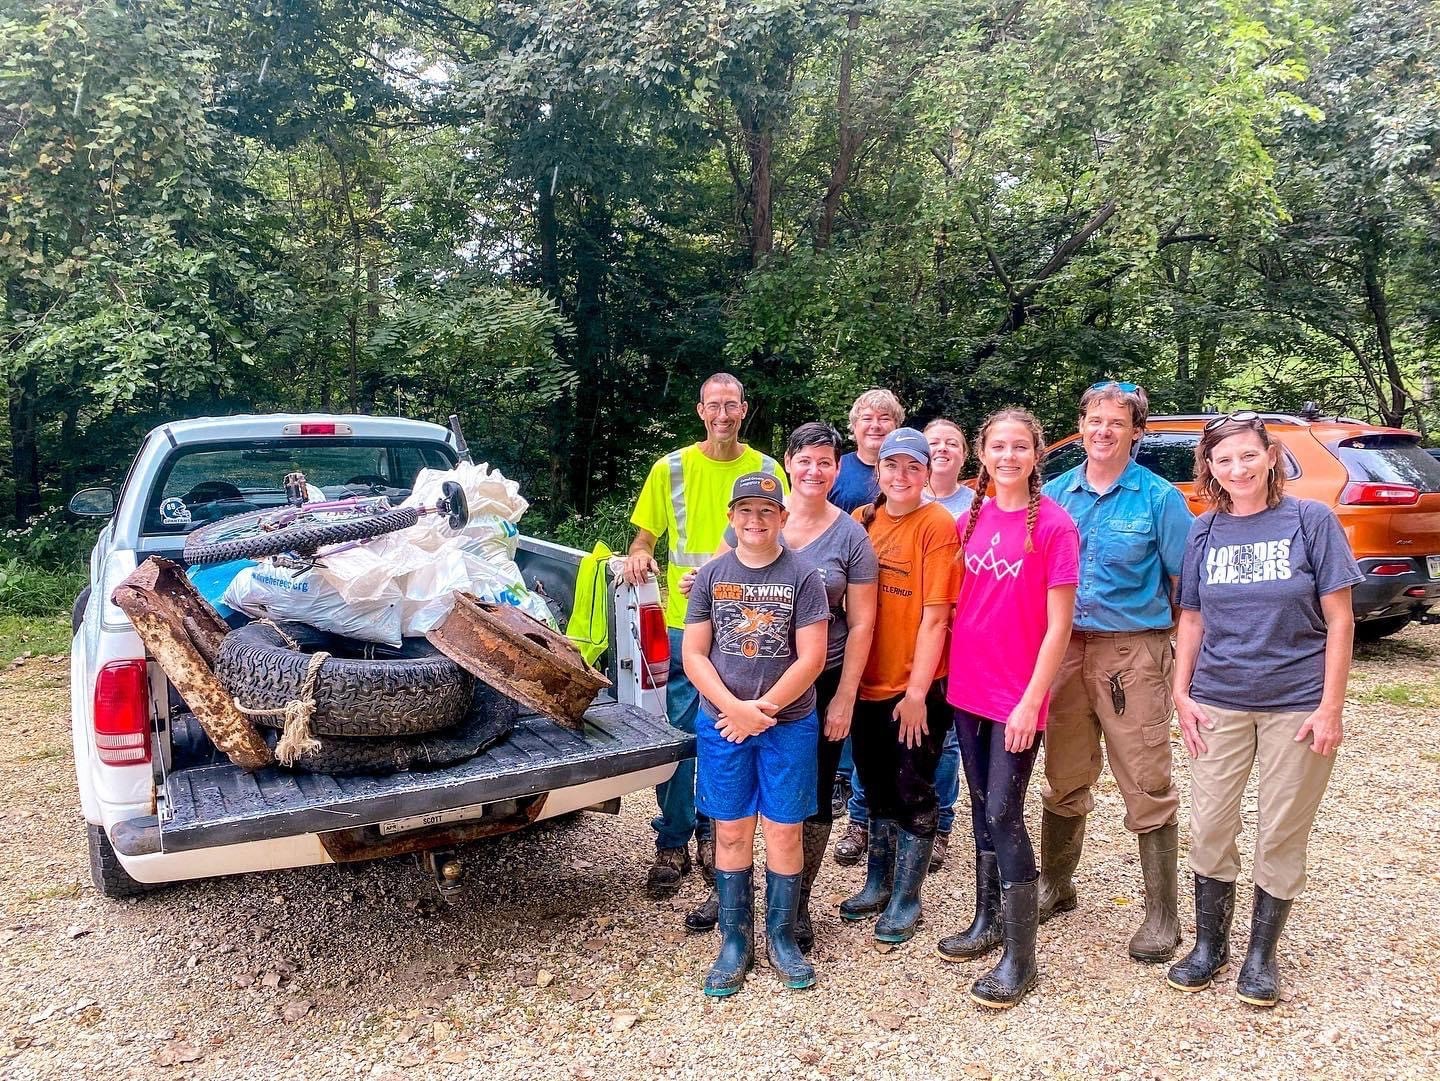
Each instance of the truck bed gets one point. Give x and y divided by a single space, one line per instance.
220 804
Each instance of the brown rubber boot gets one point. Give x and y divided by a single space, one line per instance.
1159 935
814 838
1061 840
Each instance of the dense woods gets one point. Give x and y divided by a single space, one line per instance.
555 217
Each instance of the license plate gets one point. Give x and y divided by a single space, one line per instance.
434 818
1432 564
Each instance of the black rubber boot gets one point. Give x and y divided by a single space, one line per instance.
1159 934
706 915
912 863
814 838
879 874
1009 981
1061 840
782 898
1214 912
737 931
983 934
1259 980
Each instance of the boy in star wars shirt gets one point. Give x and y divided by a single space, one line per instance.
755 639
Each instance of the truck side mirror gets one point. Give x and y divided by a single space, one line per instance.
93 503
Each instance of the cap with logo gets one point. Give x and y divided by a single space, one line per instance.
906 441
757 486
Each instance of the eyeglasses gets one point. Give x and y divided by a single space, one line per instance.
730 409
1127 388
1242 416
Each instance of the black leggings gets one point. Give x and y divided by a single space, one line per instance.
899 780
827 751
998 779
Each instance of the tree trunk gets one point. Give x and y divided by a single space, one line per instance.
1392 400
847 143
759 147
24 444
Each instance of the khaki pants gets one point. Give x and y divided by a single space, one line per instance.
1137 740
1291 779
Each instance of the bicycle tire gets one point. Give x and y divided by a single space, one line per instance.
302 537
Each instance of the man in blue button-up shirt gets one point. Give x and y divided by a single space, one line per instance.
1115 680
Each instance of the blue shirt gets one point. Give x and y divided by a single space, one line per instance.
855 485
1132 542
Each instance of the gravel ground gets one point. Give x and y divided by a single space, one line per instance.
555 964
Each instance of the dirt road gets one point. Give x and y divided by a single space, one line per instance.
556 965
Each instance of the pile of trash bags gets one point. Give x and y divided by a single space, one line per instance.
399 585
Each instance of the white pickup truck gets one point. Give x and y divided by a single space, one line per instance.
162 805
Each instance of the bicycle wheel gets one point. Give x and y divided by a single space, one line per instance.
242 536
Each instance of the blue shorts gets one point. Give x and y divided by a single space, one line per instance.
772 773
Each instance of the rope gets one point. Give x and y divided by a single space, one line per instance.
297 738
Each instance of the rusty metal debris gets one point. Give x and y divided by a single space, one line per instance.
183 634
527 660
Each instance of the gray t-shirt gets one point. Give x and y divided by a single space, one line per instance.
957 502
1257 582
842 553
754 614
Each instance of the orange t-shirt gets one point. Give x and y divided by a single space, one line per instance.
917 567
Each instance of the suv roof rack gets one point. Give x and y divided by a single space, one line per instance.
1277 418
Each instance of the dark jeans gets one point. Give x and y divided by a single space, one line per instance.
998 780
827 751
900 781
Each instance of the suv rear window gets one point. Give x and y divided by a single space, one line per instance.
1389 459
203 484
1167 454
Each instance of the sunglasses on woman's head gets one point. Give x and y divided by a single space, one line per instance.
1242 416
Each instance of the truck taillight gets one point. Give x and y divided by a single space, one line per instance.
1379 495
122 714
654 647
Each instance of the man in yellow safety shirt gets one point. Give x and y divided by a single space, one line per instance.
685 498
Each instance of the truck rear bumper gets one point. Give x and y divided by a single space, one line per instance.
207 807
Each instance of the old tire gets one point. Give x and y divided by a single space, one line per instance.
363 690
490 720
111 879
240 535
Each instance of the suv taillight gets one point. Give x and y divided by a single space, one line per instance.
1379 495
654 646
1389 570
122 714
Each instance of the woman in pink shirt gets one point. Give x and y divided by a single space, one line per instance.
1011 628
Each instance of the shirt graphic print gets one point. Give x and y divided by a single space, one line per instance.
753 619
993 564
1246 564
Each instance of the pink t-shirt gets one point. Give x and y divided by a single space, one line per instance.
1000 617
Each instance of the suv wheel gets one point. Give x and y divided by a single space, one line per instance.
1372 630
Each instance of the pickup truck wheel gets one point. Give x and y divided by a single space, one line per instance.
109 877
77 610
243 536
364 689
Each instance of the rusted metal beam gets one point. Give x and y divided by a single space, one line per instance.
520 656
183 634
366 842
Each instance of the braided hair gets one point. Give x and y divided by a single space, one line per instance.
868 512
982 482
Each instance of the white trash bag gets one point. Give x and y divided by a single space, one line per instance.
266 591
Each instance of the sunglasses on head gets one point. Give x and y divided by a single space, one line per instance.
1241 416
1128 388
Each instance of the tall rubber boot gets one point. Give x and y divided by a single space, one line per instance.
782 899
814 838
1214 912
1259 980
912 863
1061 840
737 932
706 915
1009 981
983 934
1159 934
879 874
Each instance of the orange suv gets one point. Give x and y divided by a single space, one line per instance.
1383 487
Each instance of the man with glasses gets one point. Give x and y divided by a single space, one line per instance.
685 498
1114 683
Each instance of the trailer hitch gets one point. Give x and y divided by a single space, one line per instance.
446 869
